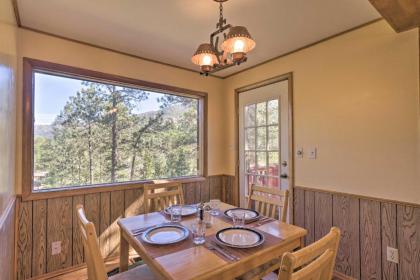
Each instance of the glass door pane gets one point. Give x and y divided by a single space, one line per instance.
261 144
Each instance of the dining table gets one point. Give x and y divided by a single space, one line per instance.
185 260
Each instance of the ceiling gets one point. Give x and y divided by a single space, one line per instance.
169 31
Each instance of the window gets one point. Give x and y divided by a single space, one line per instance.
261 125
96 129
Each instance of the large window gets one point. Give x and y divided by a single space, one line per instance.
87 131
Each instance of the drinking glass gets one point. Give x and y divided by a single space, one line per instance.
214 204
238 219
176 213
199 233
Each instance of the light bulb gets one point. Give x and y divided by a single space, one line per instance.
238 46
206 60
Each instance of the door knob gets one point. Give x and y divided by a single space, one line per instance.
284 176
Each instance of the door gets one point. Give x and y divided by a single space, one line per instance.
264 138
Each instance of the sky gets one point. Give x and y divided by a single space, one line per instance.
52 93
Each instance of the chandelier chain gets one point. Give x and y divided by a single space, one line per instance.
221 19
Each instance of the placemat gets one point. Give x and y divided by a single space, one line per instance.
270 240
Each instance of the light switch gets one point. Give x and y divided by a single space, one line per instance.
312 153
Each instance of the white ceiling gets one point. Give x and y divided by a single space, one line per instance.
170 30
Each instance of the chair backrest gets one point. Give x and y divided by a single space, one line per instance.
94 260
314 262
159 196
267 201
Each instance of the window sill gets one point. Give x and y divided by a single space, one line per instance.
72 191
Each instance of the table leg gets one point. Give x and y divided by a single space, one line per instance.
123 253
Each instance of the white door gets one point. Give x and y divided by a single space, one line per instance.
263 138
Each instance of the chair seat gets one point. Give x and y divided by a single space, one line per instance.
141 272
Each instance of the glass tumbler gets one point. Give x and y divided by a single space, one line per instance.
214 204
238 219
176 213
199 233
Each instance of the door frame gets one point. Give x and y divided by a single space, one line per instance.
276 79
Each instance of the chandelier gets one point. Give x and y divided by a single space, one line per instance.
237 42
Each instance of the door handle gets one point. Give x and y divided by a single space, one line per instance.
284 176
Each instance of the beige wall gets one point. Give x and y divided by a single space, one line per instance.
48 48
356 98
7 104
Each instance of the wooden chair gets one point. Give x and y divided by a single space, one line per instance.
95 264
269 200
159 196
314 262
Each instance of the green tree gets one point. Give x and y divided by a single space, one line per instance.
102 136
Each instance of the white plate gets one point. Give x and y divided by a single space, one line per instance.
240 237
249 214
166 234
187 210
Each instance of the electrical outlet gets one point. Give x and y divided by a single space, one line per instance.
55 248
392 254
312 153
299 152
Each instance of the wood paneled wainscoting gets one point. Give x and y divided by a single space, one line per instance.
41 222
368 226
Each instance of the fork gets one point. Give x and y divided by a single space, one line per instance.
264 221
259 220
226 250
222 252
143 229
139 231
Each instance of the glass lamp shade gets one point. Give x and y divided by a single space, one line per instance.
238 42
205 57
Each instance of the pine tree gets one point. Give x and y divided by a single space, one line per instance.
101 137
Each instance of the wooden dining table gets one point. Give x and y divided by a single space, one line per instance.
188 261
